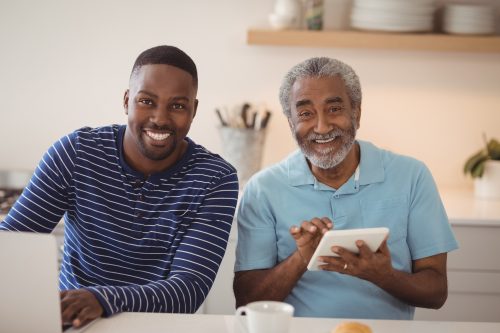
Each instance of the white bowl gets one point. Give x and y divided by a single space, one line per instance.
468 10
281 22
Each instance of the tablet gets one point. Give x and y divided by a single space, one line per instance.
373 237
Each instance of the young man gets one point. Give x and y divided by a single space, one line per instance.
147 211
335 181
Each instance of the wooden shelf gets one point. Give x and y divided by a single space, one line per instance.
374 40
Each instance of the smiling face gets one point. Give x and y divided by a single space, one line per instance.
161 104
323 120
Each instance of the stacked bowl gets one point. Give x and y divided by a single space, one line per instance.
468 19
393 15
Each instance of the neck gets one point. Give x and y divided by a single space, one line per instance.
137 161
150 167
340 174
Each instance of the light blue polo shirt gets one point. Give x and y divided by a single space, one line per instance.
393 191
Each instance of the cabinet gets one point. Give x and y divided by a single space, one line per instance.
374 40
473 269
473 277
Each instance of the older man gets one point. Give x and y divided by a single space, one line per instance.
336 181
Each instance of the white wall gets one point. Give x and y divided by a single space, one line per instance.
65 64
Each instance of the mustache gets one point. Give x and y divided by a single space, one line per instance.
330 135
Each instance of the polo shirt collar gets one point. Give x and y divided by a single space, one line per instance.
371 166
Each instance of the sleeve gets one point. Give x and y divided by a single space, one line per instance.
194 265
429 231
45 199
257 242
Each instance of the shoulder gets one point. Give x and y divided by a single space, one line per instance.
95 138
96 134
211 163
275 177
398 171
394 162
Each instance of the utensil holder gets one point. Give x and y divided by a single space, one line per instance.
243 148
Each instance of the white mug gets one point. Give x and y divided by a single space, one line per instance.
265 317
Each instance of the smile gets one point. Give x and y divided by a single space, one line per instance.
324 141
157 136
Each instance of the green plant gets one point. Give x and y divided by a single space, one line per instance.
475 164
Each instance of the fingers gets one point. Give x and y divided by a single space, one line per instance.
316 224
295 232
364 250
322 224
79 307
85 316
306 229
334 264
384 249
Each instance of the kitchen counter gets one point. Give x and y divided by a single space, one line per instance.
163 322
463 208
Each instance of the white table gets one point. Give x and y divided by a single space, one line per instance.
182 323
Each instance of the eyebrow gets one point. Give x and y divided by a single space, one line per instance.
336 99
302 102
176 98
146 93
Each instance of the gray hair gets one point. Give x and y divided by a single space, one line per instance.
321 67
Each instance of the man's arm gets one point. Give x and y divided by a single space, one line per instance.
45 199
276 283
273 284
194 265
426 287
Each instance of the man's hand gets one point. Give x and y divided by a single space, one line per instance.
79 307
308 235
375 267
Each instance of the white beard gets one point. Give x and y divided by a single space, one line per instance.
327 158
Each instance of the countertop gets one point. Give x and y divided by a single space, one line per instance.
464 209
166 323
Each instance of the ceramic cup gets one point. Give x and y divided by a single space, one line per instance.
265 317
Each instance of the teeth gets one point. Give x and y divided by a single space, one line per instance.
324 141
157 136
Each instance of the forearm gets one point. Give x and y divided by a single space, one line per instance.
426 288
270 284
175 295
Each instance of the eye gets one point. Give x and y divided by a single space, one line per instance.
334 109
178 106
146 101
305 114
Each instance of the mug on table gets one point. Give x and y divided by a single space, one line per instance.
265 317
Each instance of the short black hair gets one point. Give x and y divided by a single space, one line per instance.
166 55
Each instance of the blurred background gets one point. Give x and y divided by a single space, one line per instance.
66 63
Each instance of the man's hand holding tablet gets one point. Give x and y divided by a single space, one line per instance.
358 252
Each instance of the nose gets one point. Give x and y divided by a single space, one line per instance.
322 124
160 116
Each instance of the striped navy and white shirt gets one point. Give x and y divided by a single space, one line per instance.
143 245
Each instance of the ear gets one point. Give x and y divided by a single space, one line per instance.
358 116
125 101
195 107
290 123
